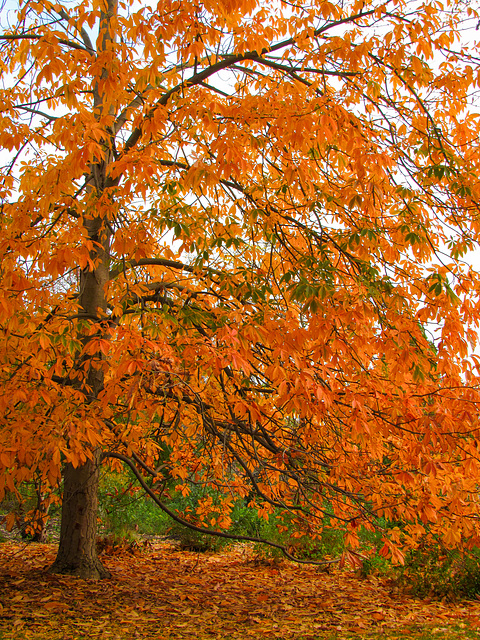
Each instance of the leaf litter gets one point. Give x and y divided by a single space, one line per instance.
163 593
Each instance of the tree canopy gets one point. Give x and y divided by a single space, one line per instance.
233 243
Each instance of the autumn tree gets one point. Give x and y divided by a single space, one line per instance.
232 241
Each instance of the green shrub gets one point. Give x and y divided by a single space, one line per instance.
431 570
125 509
280 529
246 521
376 565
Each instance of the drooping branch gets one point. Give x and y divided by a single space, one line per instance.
210 532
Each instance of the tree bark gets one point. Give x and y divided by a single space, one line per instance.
77 551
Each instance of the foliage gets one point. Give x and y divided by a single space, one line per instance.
232 243
375 565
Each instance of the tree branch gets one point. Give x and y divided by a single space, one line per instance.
68 43
159 262
38 113
85 37
210 532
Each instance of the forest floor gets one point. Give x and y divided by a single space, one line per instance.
162 593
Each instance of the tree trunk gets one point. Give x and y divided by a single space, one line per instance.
77 551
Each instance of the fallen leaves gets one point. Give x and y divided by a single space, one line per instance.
166 593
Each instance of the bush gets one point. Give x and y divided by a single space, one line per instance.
246 521
280 529
431 570
125 509
375 565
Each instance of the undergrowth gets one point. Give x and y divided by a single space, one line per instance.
129 518
432 570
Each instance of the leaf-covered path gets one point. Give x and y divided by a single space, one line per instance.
164 593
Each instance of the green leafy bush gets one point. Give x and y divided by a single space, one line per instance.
431 570
125 509
375 565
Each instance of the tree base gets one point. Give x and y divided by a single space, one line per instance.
91 569
77 549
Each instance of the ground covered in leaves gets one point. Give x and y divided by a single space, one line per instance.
162 593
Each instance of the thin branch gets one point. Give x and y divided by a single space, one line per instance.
293 70
85 37
209 86
68 43
37 113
